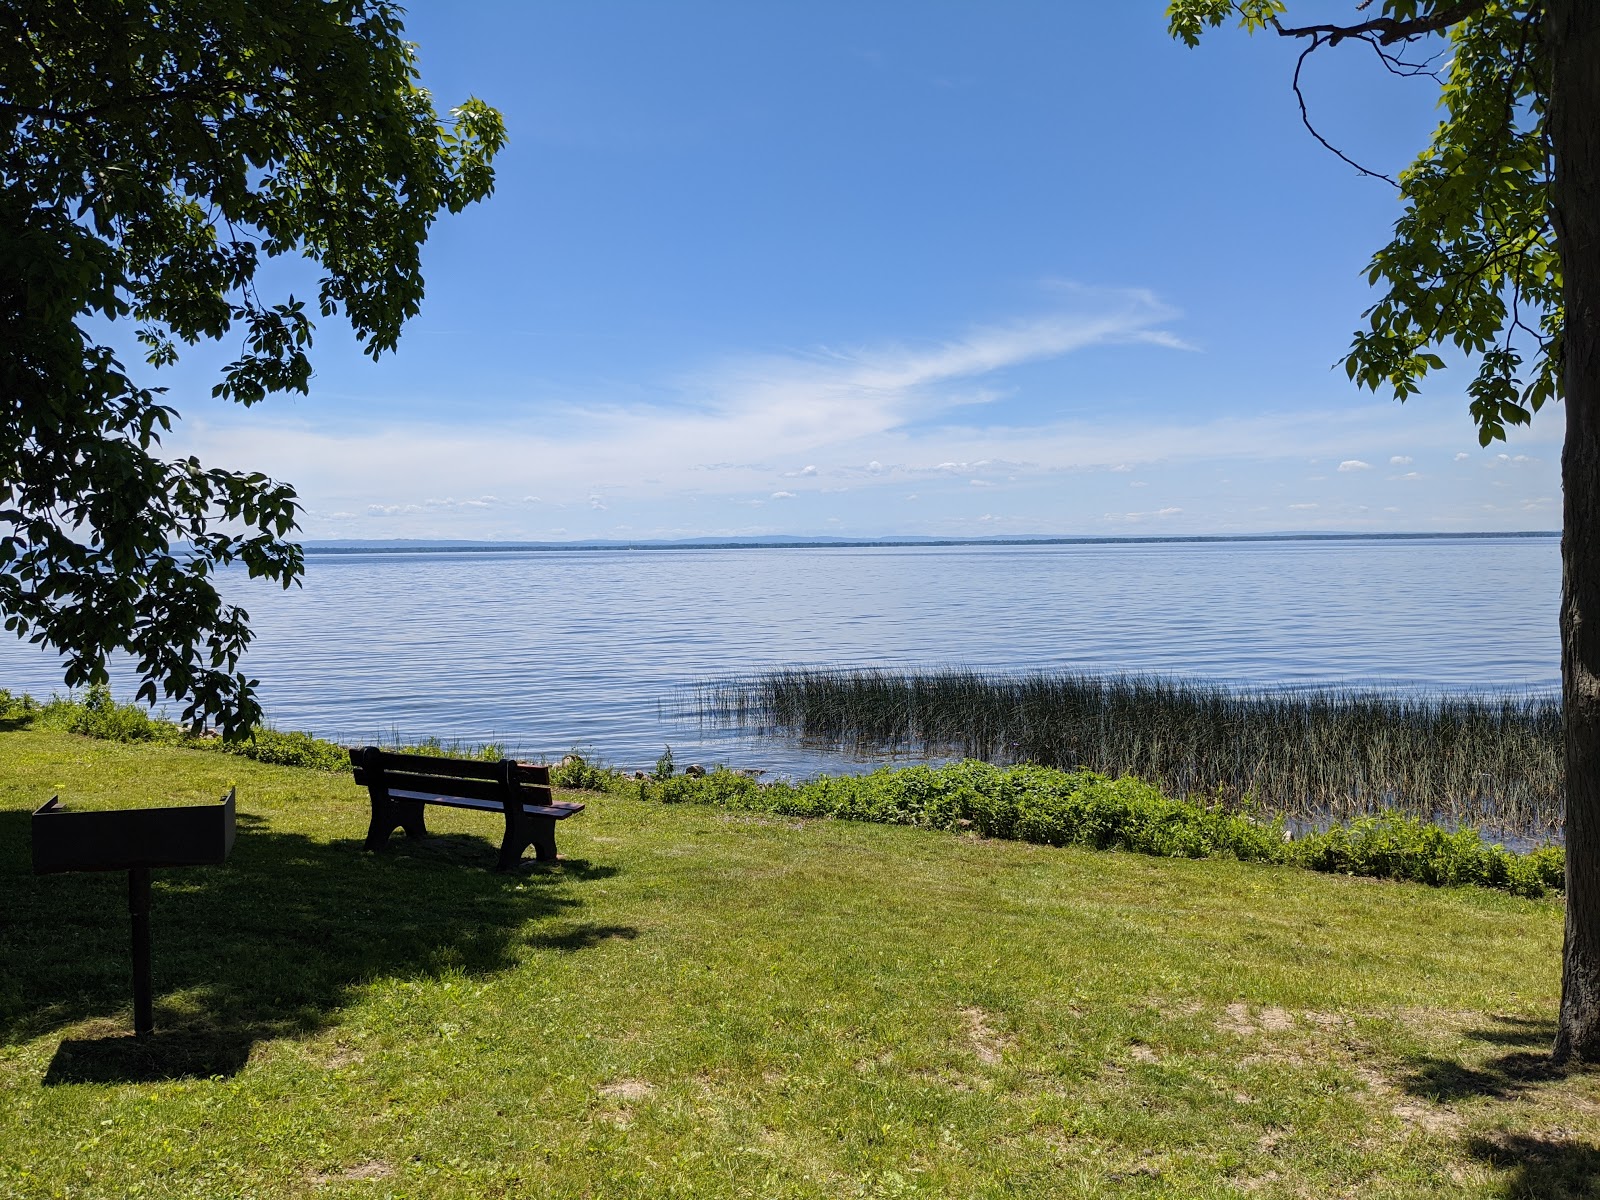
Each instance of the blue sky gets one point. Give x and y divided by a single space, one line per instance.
869 269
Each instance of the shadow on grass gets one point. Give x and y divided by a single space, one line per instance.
1550 1168
1503 1077
271 944
581 937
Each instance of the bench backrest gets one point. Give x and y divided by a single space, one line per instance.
474 779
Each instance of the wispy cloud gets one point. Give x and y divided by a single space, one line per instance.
897 419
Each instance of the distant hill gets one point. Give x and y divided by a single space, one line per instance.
781 541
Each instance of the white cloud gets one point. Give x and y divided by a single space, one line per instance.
1462 457
1134 518
732 430
1304 507
783 495
1400 460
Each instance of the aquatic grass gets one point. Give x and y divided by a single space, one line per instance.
1311 755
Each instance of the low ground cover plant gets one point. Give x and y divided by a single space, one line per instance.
1084 808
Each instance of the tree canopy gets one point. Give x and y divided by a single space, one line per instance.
152 157
1473 261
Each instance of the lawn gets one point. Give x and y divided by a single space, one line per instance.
704 1003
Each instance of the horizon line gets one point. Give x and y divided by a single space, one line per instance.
827 541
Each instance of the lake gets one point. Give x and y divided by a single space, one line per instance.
550 651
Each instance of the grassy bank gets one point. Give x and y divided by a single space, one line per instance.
709 1003
1312 755
1082 808
1024 803
97 714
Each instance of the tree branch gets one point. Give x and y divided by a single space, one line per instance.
1388 30
1305 117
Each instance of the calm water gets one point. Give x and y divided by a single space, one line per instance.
553 651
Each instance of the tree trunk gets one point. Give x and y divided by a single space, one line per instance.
1572 46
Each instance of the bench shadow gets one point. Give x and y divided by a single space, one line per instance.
273 943
1503 1077
581 937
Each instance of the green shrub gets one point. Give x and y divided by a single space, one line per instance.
285 749
97 715
1083 808
578 773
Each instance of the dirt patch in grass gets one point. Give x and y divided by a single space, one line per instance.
372 1169
986 1043
1238 1018
1430 1118
628 1090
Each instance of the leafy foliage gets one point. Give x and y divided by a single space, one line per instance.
579 774
1473 263
1082 808
151 159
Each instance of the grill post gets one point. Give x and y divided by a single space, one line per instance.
139 909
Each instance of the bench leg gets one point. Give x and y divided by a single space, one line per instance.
389 815
544 839
538 832
410 814
515 841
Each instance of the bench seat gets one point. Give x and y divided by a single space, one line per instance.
560 809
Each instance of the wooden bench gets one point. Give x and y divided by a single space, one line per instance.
401 785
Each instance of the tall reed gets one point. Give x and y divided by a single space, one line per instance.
1306 754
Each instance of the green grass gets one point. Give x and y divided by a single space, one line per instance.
703 1002
1309 754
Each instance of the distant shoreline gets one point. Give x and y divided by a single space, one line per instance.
420 546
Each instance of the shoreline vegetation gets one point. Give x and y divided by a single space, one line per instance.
1027 802
1309 756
